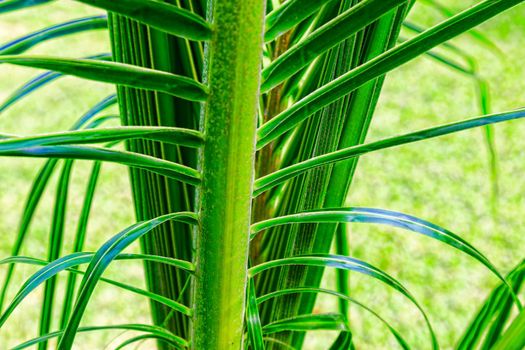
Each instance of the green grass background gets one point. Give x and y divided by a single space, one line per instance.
445 181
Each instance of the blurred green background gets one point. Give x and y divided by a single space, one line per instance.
445 181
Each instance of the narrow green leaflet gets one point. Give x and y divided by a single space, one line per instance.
470 60
143 337
35 194
483 97
13 5
38 82
490 321
330 322
174 305
342 279
39 185
156 165
351 264
476 34
104 104
178 136
450 63
343 341
67 262
181 264
321 40
378 66
383 217
103 257
266 182
159 15
253 321
80 238
514 336
279 342
154 330
288 15
80 258
29 87
26 42
116 73
341 296
54 247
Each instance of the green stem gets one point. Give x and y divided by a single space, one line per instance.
234 58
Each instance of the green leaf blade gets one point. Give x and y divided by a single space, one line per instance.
177 136
14 5
159 15
330 322
324 38
80 25
137 160
288 15
99 263
385 217
351 264
154 330
380 65
273 179
116 73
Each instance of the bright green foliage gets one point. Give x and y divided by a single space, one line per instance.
243 121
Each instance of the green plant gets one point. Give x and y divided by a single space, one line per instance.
225 254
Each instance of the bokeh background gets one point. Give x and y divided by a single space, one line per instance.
446 181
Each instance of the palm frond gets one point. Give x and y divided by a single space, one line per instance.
243 122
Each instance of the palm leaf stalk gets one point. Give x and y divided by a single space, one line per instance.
227 165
